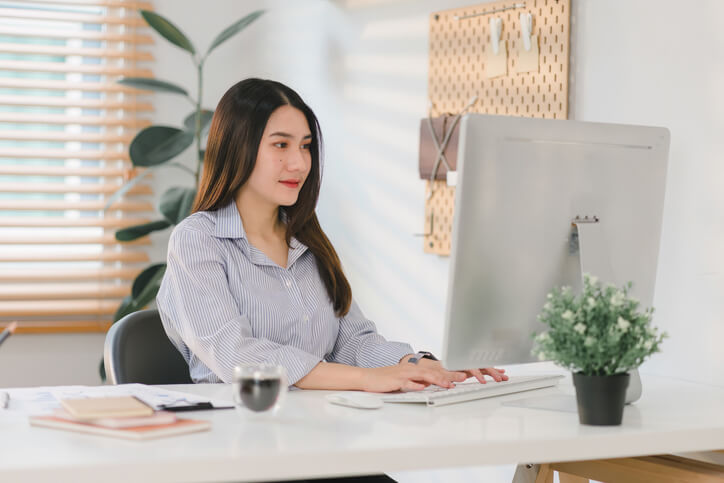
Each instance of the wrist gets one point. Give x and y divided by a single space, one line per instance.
406 358
364 378
419 356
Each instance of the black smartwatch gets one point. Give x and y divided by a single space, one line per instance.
421 355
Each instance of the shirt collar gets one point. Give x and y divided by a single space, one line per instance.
229 225
228 222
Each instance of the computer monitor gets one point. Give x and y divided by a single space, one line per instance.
521 184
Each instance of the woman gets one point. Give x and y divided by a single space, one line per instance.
252 277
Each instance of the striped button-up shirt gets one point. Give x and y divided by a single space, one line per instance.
223 302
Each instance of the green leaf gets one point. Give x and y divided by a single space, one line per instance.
155 145
152 85
133 232
145 288
148 292
102 370
167 30
144 278
176 204
190 121
124 309
125 188
233 29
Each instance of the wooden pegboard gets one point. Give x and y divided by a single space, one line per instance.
457 73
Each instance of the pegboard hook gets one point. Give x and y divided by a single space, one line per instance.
526 29
496 24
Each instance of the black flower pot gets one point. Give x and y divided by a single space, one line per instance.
600 398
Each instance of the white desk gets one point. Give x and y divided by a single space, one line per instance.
312 438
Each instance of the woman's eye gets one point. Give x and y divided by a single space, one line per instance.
281 145
307 146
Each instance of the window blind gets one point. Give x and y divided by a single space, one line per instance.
65 128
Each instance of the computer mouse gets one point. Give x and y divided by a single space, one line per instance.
359 400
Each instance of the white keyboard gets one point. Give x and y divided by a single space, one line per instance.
468 391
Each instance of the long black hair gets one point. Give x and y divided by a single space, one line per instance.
234 137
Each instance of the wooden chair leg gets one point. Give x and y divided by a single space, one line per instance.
568 478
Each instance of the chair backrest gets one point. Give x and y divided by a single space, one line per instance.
138 350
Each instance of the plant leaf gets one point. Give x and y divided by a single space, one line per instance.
190 121
124 309
125 188
144 278
148 84
137 231
233 29
167 30
176 204
146 287
148 292
157 144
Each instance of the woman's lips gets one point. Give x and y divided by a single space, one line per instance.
290 184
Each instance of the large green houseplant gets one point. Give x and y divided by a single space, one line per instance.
155 147
600 335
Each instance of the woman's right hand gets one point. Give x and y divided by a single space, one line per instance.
409 377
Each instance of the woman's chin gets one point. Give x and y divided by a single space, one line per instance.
288 202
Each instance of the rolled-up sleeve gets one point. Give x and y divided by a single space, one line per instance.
359 344
195 302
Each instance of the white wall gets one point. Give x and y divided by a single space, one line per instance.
666 69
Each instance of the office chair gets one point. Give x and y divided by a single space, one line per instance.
138 350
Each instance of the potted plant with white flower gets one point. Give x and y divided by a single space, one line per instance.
600 335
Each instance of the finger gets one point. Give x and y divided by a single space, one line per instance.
502 373
457 376
439 378
493 372
413 386
477 374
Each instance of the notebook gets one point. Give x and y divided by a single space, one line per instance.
139 433
157 418
106 407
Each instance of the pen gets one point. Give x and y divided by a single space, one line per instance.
193 407
4 398
8 330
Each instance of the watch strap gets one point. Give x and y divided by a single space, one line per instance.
421 355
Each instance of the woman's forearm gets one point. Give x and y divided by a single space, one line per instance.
333 376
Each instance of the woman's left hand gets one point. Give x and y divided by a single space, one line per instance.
479 374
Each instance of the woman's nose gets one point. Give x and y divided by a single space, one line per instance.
296 161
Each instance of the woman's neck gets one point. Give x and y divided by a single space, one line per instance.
259 219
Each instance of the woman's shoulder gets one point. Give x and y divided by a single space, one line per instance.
201 224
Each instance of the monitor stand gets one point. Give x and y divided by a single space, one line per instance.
588 239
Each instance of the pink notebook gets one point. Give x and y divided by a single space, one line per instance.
180 426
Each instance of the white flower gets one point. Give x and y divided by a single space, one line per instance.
591 279
543 337
589 341
617 299
580 328
547 306
549 296
567 315
591 302
623 324
542 356
648 344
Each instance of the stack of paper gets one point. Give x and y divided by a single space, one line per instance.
120 416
